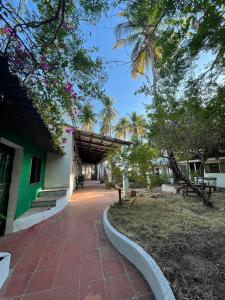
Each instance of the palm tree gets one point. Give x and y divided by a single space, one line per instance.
121 128
136 124
107 115
141 35
88 118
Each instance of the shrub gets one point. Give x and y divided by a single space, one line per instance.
157 180
109 185
117 175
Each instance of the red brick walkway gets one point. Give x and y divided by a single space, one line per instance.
69 257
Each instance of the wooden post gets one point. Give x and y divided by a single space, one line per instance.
125 176
120 199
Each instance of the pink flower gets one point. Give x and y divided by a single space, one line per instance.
69 130
7 30
19 45
70 27
18 62
69 88
45 81
64 140
75 96
44 66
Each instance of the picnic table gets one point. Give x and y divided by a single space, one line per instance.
204 185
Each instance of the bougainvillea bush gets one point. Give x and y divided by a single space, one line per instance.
45 47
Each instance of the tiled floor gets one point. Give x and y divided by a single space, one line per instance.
69 257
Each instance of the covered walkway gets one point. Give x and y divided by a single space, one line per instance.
69 257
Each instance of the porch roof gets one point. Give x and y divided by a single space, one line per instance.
93 147
17 113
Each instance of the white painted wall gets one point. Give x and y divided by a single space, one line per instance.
60 169
100 169
220 182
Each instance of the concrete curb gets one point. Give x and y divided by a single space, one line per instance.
4 267
24 222
141 259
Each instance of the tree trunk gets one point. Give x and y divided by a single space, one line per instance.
153 71
178 174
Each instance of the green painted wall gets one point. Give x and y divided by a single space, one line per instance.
27 191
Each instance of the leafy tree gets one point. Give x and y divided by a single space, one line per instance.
44 44
87 117
185 31
121 128
139 161
137 157
107 115
185 130
186 113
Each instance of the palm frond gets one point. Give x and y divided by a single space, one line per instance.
137 49
88 117
138 65
105 128
126 41
126 29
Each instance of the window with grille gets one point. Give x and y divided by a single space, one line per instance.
212 168
35 173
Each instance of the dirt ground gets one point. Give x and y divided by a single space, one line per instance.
186 239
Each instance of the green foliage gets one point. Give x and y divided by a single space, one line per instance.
138 159
138 31
136 125
109 185
87 117
184 32
157 180
132 127
117 175
45 46
121 128
107 115
188 128
2 217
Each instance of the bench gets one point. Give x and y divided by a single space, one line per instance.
80 182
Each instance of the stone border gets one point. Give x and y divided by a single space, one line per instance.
24 222
4 267
141 259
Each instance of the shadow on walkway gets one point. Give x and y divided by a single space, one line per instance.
69 256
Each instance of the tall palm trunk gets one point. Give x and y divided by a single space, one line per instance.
152 56
110 128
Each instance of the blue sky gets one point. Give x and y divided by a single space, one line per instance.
120 85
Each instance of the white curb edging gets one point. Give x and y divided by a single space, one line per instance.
4 267
141 259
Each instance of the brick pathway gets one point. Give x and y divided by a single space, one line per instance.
69 257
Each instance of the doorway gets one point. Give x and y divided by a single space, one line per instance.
6 164
89 171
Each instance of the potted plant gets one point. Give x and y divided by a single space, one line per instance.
4 262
